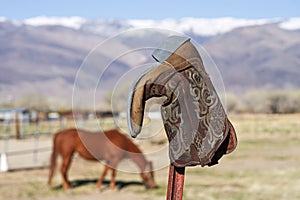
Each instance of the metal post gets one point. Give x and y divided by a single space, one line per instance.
175 183
36 142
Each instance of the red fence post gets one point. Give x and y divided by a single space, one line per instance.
175 183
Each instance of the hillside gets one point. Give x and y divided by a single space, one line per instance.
257 57
44 58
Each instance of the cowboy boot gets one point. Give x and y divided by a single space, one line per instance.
195 122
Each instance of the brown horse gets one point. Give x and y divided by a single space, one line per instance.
110 146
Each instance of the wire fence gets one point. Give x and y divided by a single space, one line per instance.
26 145
22 130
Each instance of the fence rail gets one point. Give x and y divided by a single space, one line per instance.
28 151
22 130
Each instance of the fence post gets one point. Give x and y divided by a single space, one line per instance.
3 163
62 122
36 142
17 124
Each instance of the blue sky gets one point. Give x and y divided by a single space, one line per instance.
150 9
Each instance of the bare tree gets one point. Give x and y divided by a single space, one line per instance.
33 101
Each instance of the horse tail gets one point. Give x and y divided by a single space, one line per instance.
53 159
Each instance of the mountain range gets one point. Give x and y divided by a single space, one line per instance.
44 55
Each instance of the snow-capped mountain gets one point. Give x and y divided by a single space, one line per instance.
198 26
42 54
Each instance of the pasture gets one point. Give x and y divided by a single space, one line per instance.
265 165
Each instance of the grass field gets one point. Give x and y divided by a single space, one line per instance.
264 166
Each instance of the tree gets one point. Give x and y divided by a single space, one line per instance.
33 101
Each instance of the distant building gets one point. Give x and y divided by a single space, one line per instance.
53 116
9 114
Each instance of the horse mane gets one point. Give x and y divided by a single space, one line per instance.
133 148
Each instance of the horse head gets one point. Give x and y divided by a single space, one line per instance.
148 176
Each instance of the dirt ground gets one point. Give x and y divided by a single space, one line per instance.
265 165
31 184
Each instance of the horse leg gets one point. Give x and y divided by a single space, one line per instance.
113 165
113 178
64 171
100 180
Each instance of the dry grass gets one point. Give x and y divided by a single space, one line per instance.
264 166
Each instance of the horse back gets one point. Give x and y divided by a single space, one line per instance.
68 141
121 141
